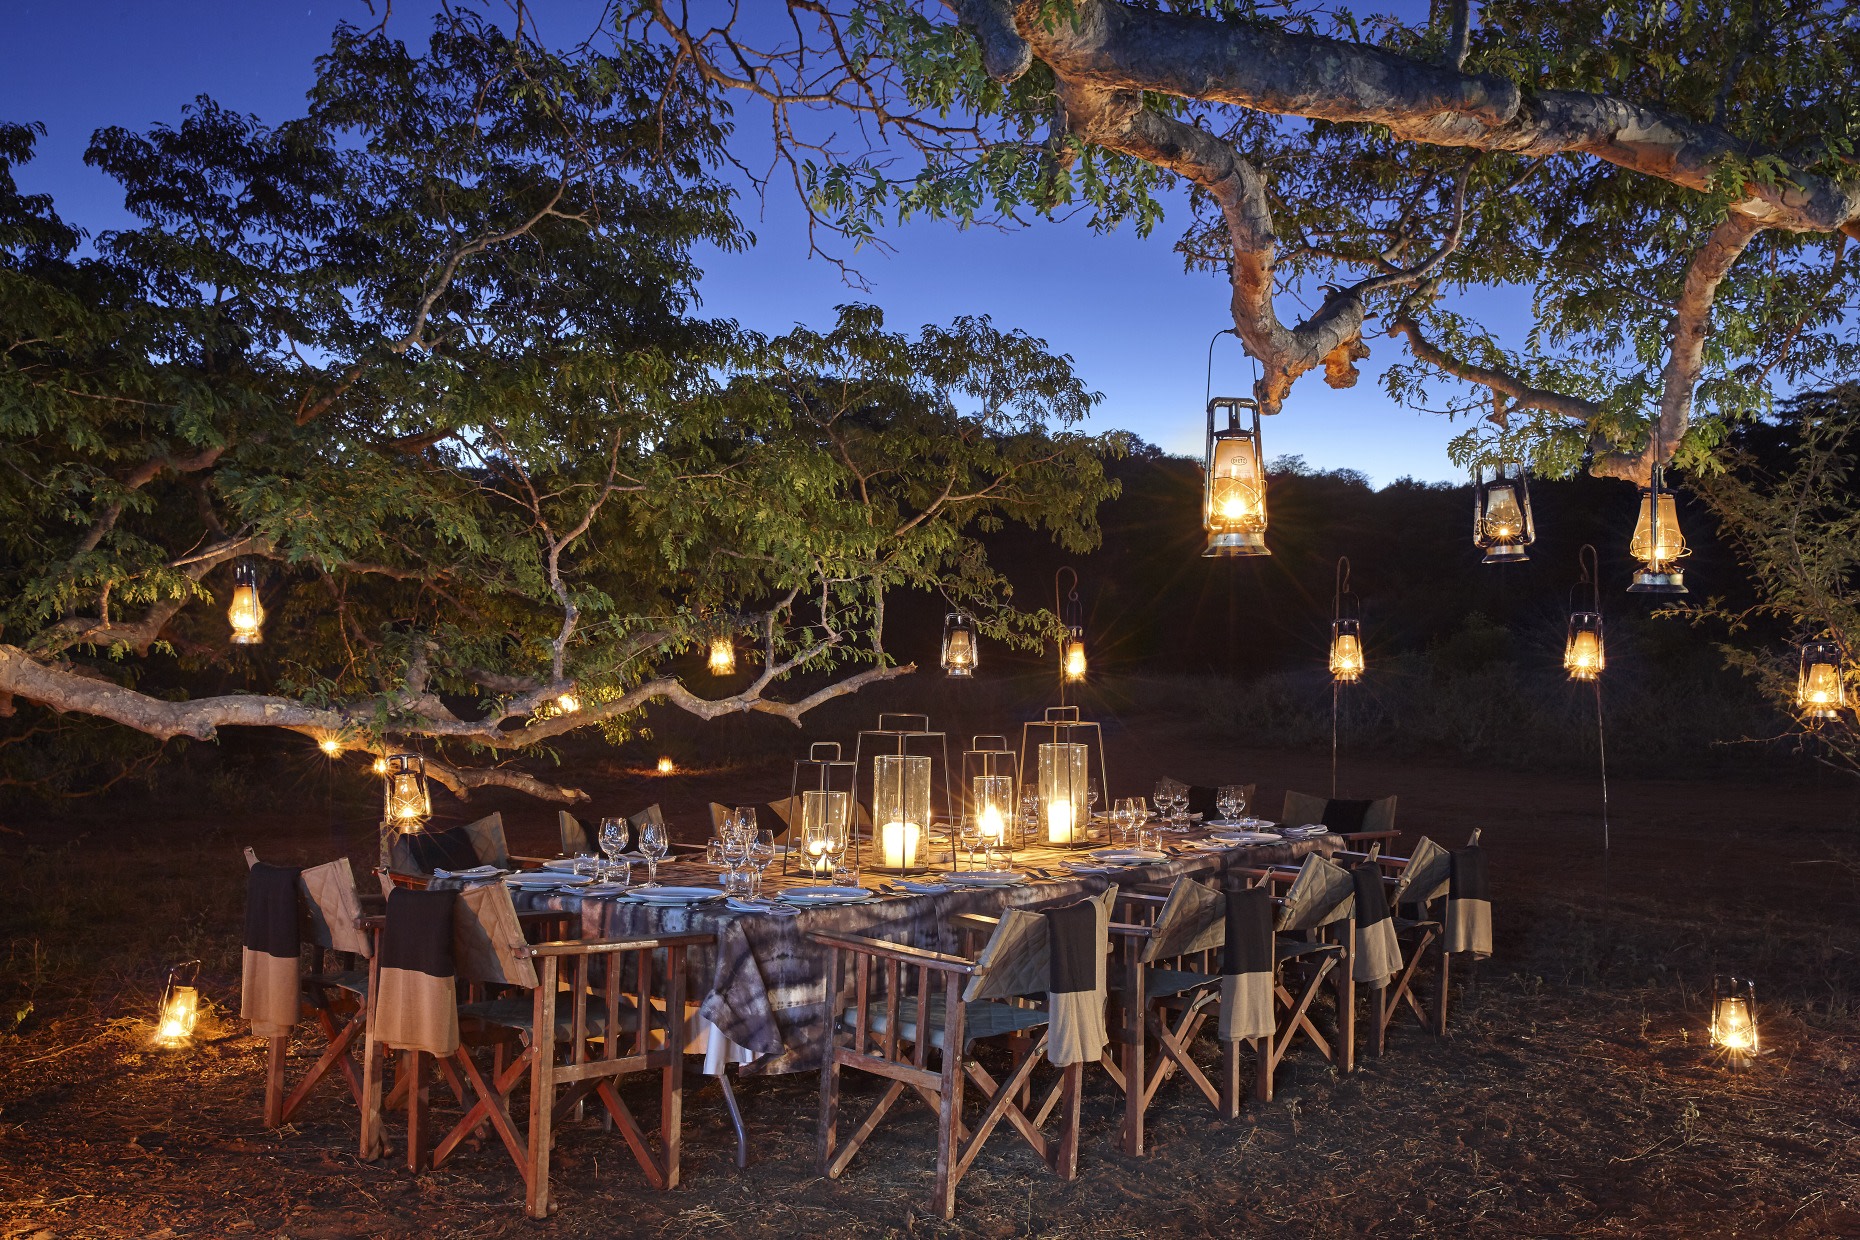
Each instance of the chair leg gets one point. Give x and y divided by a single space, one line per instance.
1440 997
1378 1020
829 1107
1066 1154
413 1065
274 1081
672 1110
542 1102
1346 1016
1265 1066
1136 1072
1230 1078
372 1145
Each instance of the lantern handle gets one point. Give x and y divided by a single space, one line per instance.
1343 589
1591 577
1207 395
813 751
192 978
1066 605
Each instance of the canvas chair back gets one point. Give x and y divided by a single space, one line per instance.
575 839
1378 953
333 907
1424 879
785 810
487 938
1378 814
1204 799
416 1004
1193 919
1078 936
1322 893
1469 903
1247 966
270 989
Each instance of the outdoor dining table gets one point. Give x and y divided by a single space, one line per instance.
764 983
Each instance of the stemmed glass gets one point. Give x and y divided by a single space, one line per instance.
654 843
972 840
613 843
735 855
761 855
1091 797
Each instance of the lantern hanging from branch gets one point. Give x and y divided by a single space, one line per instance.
1734 1020
722 656
1657 542
960 645
1585 654
1234 496
1072 664
1502 522
331 745
408 804
1346 630
180 1004
1821 686
247 614
568 703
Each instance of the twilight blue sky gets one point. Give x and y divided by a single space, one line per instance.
1136 325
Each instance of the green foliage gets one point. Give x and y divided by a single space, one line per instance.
430 349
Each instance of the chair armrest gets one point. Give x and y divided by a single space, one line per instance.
528 861
592 947
1140 896
893 951
1122 929
974 921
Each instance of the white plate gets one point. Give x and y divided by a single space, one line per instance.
674 895
1128 856
551 878
560 863
1230 838
825 895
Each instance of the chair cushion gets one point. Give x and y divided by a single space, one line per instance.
1161 983
984 1018
440 850
1345 816
520 1013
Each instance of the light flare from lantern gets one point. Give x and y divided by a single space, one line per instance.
666 766
247 613
722 657
1075 658
331 746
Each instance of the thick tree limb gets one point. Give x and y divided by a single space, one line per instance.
460 781
1520 392
1113 47
1685 356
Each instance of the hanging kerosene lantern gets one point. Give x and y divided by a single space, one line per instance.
1657 542
722 659
247 613
1585 654
1072 644
960 645
408 803
1234 496
1820 686
1502 522
1346 630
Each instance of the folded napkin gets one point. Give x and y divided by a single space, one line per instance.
778 909
925 889
1304 832
1079 867
477 871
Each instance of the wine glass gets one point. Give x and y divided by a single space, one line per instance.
613 842
761 855
713 853
972 840
655 844
1091 797
1239 800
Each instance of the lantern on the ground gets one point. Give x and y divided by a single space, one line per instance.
1502 523
1065 792
408 803
1585 654
1346 630
247 614
960 645
722 656
1734 1019
1234 496
1820 689
180 1004
666 767
901 808
1657 542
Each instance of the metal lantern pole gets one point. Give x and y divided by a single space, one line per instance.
1346 653
1066 607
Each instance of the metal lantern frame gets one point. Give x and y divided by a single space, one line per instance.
1817 654
898 734
1734 1030
1244 534
962 644
173 990
1657 574
1064 726
1500 547
400 764
989 757
825 767
247 629
1585 620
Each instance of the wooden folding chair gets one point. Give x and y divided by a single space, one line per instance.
334 994
893 1006
581 1015
1315 925
1163 987
1417 887
1360 823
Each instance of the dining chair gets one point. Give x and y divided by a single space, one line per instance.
1204 799
1164 985
457 848
1313 943
320 904
892 1006
1416 888
578 1016
574 837
1360 822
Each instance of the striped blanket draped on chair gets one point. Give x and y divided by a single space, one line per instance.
269 988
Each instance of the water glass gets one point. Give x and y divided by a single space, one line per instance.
613 840
654 842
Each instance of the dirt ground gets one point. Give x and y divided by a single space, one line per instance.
1573 1096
